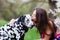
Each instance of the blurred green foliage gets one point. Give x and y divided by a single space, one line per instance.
32 34
16 8
3 22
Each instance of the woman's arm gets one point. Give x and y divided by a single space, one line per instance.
48 31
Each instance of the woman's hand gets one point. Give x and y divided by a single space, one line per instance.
11 23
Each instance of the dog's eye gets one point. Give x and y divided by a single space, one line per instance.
27 19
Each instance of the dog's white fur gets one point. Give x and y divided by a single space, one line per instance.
19 28
28 22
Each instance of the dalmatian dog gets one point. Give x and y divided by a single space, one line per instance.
54 10
54 5
16 32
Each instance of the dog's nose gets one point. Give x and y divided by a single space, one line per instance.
32 26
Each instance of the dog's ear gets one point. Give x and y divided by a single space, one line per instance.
21 19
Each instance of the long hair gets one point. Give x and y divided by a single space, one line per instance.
42 20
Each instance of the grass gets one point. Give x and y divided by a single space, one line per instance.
2 22
32 34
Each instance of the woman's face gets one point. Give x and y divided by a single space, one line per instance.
34 16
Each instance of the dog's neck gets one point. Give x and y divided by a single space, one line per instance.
22 25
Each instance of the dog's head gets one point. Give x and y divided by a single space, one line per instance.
26 20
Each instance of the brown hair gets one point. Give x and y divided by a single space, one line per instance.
42 20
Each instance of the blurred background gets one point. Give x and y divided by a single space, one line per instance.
14 8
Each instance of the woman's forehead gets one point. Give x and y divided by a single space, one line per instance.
34 12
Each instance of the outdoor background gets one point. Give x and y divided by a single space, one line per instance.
14 8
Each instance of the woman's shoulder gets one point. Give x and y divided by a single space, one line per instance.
51 22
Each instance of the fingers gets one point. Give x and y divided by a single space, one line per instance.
12 22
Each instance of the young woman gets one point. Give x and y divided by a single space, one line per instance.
45 25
